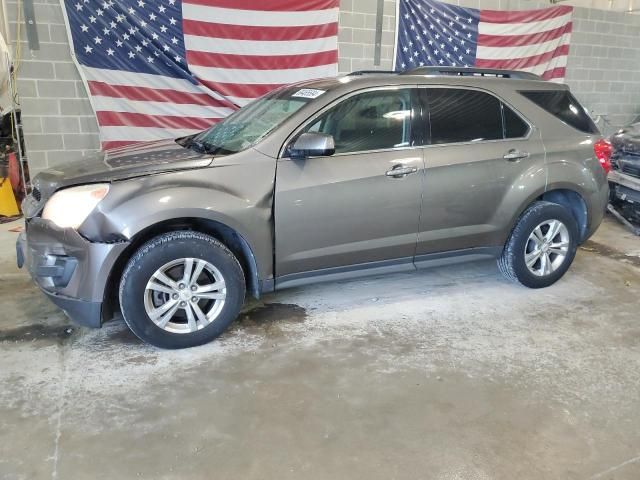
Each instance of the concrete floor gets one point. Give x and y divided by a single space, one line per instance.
450 373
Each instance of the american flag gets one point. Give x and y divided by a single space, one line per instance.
439 34
166 68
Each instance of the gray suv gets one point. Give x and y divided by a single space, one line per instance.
328 179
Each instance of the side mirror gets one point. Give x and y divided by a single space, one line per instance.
312 144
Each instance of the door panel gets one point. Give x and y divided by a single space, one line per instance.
470 188
360 205
345 210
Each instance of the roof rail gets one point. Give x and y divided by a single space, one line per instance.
470 71
371 72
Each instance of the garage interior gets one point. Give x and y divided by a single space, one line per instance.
447 373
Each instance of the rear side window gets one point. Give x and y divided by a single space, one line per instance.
514 126
458 115
564 106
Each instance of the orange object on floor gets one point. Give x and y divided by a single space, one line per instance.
8 205
14 171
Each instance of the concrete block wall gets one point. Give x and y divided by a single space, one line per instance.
60 126
58 122
357 32
604 64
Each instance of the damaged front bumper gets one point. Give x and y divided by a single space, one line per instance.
71 270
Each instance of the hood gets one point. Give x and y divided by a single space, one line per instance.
125 162
117 164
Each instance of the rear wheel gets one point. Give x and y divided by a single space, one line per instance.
181 289
541 247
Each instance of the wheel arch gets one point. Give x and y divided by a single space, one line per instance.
575 203
230 237
569 198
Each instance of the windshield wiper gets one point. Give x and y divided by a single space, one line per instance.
201 147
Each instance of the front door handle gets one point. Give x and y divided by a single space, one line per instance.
399 171
514 154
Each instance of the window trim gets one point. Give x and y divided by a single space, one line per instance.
427 118
416 120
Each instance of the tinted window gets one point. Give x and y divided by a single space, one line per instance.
564 106
369 121
459 115
514 126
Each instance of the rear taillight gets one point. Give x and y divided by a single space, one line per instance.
603 151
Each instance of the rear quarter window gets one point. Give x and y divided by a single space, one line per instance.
564 106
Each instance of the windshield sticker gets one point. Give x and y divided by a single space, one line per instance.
308 93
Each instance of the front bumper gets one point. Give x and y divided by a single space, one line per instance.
72 271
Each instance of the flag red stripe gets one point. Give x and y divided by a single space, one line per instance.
520 40
154 95
107 119
259 62
252 32
559 72
515 63
523 16
268 5
241 90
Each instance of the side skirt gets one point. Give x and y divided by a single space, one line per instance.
457 256
335 274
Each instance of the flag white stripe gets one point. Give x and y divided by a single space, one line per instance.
240 101
116 104
500 53
488 28
254 47
262 18
138 134
148 80
557 62
241 76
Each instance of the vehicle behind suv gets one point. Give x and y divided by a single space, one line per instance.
624 178
329 179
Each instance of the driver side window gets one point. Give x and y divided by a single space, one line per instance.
368 121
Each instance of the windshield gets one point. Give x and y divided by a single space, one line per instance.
247 126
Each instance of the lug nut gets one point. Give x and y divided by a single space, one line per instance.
174 296
193 288
183 304
181 286
194 299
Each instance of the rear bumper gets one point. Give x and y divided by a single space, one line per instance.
72 271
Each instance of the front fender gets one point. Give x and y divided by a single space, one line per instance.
215 194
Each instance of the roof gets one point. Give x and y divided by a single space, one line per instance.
489 79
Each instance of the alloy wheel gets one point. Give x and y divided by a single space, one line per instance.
547 247
185 295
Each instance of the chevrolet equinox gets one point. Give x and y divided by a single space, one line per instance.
327 179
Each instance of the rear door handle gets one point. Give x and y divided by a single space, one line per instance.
399 171
514 154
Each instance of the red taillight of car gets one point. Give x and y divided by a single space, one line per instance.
603 151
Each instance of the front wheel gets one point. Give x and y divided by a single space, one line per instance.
181 289
541 247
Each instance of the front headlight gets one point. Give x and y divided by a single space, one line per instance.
70 207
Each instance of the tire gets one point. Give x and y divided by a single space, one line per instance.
198 309
521 246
